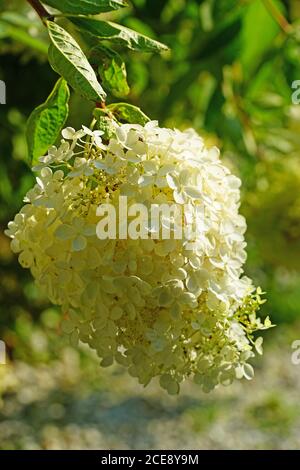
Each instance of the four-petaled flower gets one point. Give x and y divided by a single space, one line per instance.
77 232
183 187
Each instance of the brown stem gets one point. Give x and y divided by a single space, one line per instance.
41 10
100 104
278 16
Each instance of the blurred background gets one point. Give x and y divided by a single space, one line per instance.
229 75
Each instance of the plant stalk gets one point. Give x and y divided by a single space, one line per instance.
40 10
278 17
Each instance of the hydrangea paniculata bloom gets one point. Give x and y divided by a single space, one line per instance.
154 306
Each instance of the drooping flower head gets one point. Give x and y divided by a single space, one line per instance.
168 308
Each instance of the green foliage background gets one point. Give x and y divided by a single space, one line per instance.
228 74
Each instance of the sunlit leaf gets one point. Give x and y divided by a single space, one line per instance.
46 121
118 33
104 123
125 112
112 70
67 59
86 7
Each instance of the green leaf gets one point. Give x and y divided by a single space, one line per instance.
46 121
119 34
105 123
258 34
112 70
221 37
22 36
67 59
18 19
86 7
125 112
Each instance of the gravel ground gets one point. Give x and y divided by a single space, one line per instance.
72 404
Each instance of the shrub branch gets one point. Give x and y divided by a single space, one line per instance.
41 10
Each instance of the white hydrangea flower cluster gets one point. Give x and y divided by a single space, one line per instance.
154 306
